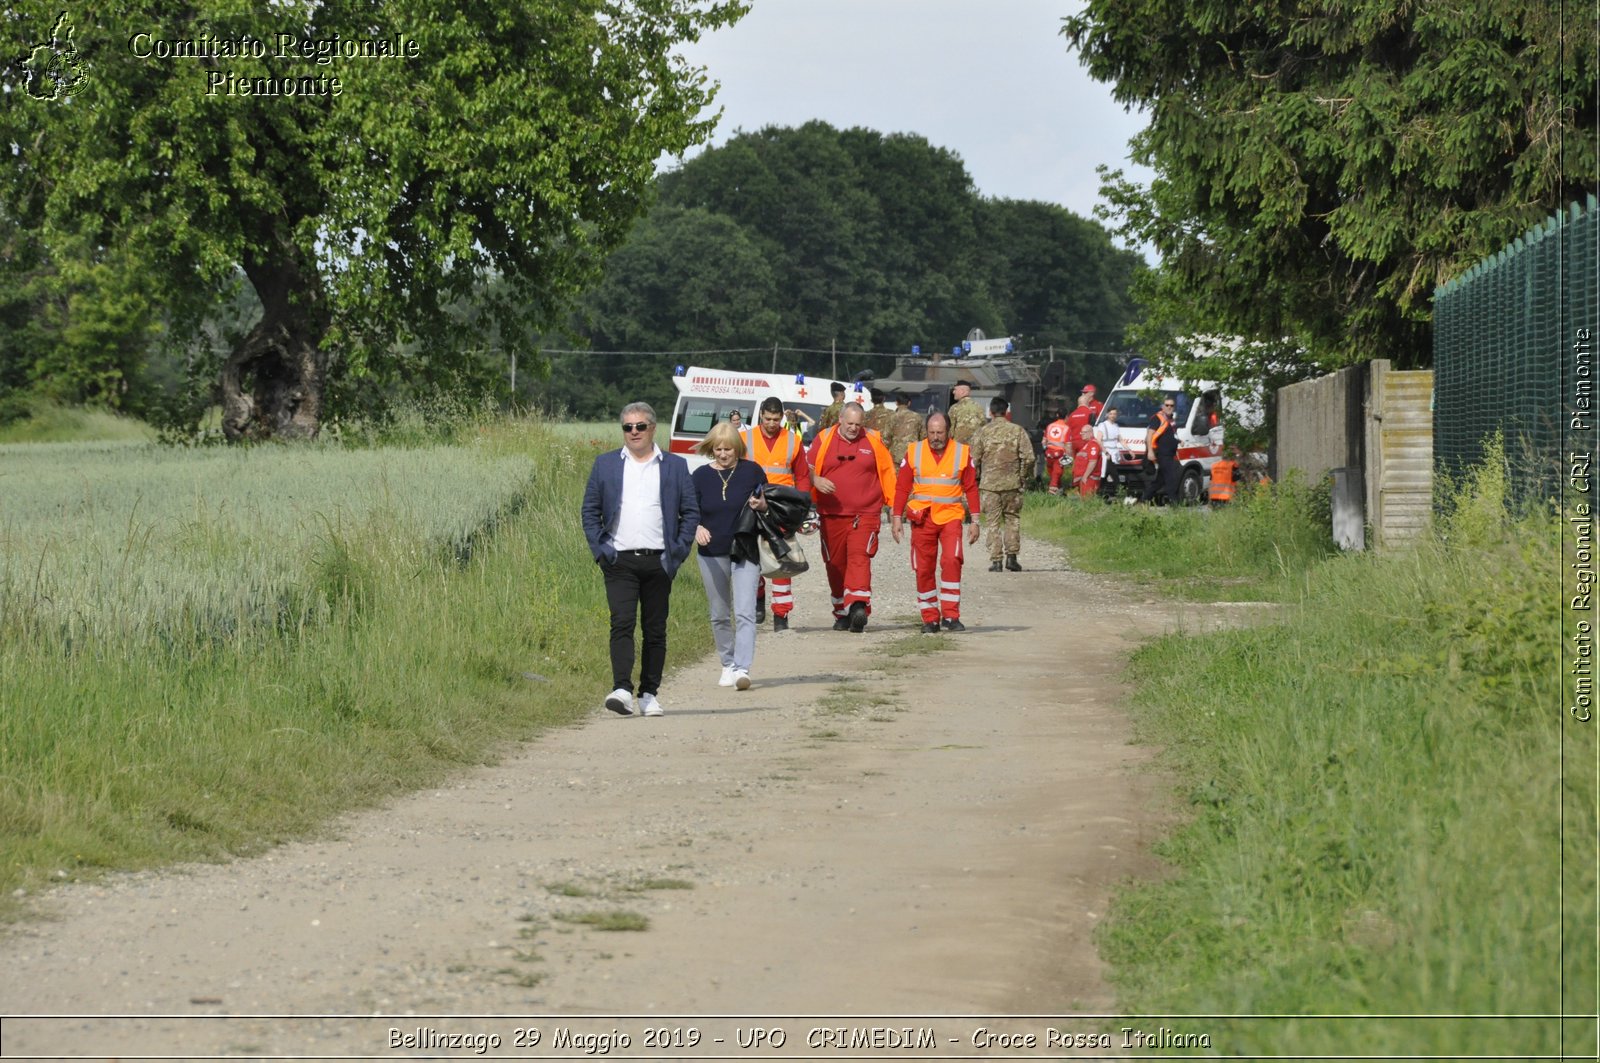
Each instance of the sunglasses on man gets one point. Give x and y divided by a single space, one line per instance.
640 426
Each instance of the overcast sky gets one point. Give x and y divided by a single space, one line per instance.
992 80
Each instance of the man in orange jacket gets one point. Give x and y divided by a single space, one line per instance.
852 479
935 480
779 453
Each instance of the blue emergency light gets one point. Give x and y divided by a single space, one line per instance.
955 352
677 370
799 378
916 349
966 346
1009 348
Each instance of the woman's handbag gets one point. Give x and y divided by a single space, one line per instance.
791 564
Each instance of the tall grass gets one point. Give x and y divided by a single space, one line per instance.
1254 547
1391 813
422 663
104 542
50 422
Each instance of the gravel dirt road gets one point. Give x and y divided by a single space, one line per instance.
866 832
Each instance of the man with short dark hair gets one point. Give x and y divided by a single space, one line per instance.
782 457
831 412
640 513
966 416
1161 466
1003 454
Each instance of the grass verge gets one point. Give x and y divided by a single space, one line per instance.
1392 813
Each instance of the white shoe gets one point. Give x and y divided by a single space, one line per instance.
727 677
649 706
620 701
741 679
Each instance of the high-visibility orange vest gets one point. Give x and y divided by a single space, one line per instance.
936 480
776 458
1055 436
1222 481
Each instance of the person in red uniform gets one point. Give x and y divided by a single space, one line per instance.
852 479
1057 447
1095 405
780 454
935 480
1086 464
1079 417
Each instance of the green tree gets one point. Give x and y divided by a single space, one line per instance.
1321 167
365 198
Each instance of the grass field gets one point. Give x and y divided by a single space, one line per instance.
153 742
1389 811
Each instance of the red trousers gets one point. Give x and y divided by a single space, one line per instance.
1088 486
1053 462
782 595
938 546
848 546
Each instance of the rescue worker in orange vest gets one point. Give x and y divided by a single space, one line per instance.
1086 464
852 479
1057 449
778 451
1161 456
937 489
1222 472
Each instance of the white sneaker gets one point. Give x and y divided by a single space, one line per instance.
727 676
620 701
649 706
741 679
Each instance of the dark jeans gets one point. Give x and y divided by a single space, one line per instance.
637 590
1161 486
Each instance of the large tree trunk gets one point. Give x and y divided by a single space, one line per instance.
272 381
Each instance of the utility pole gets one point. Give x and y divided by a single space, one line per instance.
774 359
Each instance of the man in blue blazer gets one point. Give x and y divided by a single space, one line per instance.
640 513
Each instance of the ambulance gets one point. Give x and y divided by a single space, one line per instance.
1136 397
707 396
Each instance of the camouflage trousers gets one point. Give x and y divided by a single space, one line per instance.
1002 512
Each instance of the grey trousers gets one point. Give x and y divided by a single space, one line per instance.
731 595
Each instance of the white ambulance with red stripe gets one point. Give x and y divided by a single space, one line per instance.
1137 396
707 396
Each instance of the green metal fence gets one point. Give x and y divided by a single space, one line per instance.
1515 349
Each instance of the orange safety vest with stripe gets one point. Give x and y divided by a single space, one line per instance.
936 480
1165 429
1055 436
776 458
1221 481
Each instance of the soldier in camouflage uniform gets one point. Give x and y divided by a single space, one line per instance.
966 416
1004 457
877 418
830 413
904 428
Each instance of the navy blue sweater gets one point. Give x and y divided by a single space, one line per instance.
718 515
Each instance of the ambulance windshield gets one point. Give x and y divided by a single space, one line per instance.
1136 409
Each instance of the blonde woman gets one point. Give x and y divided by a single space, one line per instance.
725 487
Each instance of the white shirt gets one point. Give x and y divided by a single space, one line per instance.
1109 436
639 520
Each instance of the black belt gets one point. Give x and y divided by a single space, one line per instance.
640 553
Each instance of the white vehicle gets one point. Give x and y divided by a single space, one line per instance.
707 396
1136 397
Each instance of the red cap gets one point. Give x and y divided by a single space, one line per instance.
1088 389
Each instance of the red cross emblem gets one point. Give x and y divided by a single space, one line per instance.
801 393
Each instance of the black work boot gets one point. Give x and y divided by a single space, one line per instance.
1011 563
996 566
